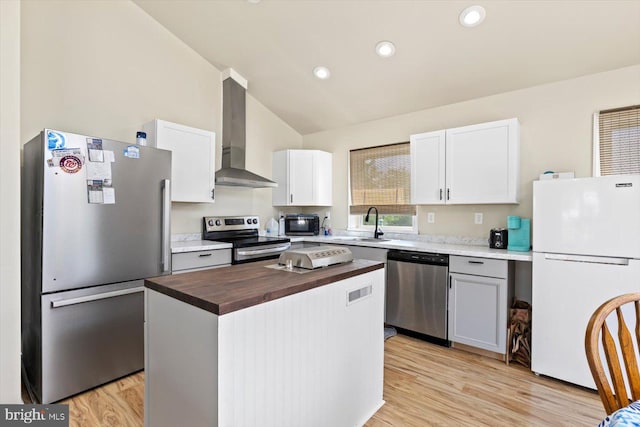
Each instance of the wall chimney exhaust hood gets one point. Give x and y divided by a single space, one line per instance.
233 172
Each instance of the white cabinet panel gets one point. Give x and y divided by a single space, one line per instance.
480 291
185 262
428 168
304 178
192 159
483 163
478 164
300 177
315 359
476 314
322 178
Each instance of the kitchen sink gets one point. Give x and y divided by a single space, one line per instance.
359 239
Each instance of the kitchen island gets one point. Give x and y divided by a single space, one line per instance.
247 345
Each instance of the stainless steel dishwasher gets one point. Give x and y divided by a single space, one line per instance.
417 289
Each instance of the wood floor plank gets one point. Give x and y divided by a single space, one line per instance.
424 385
449 387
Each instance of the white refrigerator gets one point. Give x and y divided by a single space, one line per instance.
586 250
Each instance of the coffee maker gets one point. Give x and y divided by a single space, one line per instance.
519 233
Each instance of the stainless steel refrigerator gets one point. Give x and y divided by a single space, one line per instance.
95 224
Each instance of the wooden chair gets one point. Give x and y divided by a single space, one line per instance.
618 398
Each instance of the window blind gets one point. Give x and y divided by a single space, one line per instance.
619 141
381 177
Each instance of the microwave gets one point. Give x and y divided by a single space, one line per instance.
301 225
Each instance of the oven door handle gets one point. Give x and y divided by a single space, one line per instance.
265 251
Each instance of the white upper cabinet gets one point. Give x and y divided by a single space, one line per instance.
304 178
428 168
192 159
480 164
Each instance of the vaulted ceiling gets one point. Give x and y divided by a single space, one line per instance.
275 44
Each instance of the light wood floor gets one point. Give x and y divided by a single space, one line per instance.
424 385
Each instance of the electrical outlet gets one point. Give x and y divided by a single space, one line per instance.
477 218
431 217
328 214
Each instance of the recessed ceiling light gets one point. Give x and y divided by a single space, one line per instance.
254 1
322 73
472 16
385 49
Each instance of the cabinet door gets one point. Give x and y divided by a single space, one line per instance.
322 178
192 161
199 260
428 168
280 174
477 311
482 163
300 177
304 178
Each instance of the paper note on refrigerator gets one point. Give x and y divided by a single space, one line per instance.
94 191
108 195
98 170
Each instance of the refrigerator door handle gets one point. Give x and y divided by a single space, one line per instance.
95 297
166 226
589 259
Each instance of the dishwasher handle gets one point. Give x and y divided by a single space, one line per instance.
418 257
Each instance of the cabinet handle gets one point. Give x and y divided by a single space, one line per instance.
213 194
448 193
204 255
476 262
441 194
291 198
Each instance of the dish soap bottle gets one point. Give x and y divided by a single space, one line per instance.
281 225
272 228
327 227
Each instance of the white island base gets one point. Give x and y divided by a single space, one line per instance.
313 358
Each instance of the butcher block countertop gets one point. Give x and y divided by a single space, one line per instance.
228 289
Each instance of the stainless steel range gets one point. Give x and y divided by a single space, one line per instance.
242 233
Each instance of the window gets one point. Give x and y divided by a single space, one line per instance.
616 141
381 177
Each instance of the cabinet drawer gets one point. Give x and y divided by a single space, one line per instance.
479 266
200 259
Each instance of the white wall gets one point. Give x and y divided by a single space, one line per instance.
106 68
556 134
265 133
10 202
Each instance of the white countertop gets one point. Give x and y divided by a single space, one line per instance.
418 246
412 245
197 245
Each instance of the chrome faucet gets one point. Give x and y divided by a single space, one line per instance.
376 233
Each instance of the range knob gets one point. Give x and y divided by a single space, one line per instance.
218 222
255 220
210 222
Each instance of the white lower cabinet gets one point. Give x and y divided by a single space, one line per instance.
185 262
480 291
